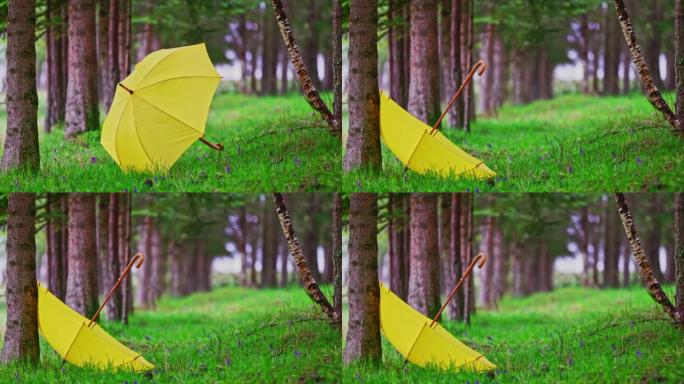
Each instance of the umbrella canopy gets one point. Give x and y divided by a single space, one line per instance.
160 109
422 341
423 149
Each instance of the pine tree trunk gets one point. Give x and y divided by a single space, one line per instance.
584 52
653 94
679 254
611 58
444 241
337 65
468 106
584 244
653 236
56 259
396 51
307 84
423 292
21 136
396 244
157 267
82 293
337 256
82 113
653 45
626 70
125 208
363 142
102 48
611 249
647 276
625 264
112 63
311 45
102 241
21 290
455 63
444 45
363 335
679 61
269 251
113 258
423 97
242 246
56 78
269 67
302 268
456 305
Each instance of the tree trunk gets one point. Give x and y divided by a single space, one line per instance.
363 335
679 253
269 251
241 240
584 52
56 86
311 45
653 45
336 234
647 277
125 208
302 268
158 261
125 13
102 48
337 65
468 106
455 63
653 94
444 46
112 63
454 268
611 58
679 61
56 259
584 245
269 62
444 241
363 142
625 264
82 293
423 100
113 259
423 293
21 290
21 136
310 243
82 112
308 88
653 236
611 249
396 228
102 241
396 41
145 272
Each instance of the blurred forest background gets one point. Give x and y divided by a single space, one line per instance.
218 283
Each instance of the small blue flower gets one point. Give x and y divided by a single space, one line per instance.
93 160
571 361
571 170
297 353
227 169
638 353
638 160
297 161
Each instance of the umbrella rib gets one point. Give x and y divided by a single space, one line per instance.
72 342
116 147
138 135
170 115
176 78
173 50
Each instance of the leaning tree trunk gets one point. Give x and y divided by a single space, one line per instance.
652 92
647 277
82 113
336 256
308 88
363 336
21 137
21 290
679 254
82 278
363 142
310 285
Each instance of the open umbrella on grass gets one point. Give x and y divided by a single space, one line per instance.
82 341
160 109
424 149
424 341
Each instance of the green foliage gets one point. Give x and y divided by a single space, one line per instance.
572 335
573 143
272 143
227 335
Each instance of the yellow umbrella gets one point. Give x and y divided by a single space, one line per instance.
423 341
160 109
424 149
81 341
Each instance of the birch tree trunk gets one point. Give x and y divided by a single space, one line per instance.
647 277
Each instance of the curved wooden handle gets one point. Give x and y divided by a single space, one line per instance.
217 146
138 260
480 67
478 260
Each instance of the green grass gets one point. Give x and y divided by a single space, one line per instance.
572 335
271 143
228 335
573 143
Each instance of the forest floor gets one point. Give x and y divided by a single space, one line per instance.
272 143
573 143
571 335
227 335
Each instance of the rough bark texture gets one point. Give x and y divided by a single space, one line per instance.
269 58
310 92
455 63
21 290
454 267
647 277
336 64
423 293
363 335
679 255
679 61
398 259
653 94
82 113
398 89
56 257
21 137
611 57
363 142
269 250
112 63
102 47
424 81
82 278
56 77
337 255
303 271
113 260
611 249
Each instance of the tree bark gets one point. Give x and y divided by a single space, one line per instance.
653 45
21 290
56 87
303 271
363 142
21 136
679 255
653 94
102 48
82 113
269 251
647 277
112 63
454 268
337 256
363 335
337 65
113 259
423 293
398 91
611 57
653 236
611 249
82 293
679 61
308 88
269 58
423 97
455 63
397 257
584 245
56 258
